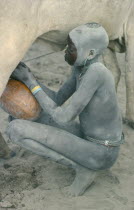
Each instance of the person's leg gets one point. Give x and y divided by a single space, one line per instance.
64 148
84 177
83 152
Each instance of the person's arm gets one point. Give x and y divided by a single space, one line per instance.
66 90
91 81
23 73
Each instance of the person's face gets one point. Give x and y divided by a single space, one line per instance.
70 52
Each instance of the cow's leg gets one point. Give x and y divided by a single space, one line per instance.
129 76
110 61
4 149
13 45
129 79
5 71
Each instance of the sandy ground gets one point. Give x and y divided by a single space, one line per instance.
30 182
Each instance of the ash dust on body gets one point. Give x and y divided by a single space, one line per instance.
93 143
31 182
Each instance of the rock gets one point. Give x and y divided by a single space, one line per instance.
6 204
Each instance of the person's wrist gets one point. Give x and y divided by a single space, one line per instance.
29 79
31 83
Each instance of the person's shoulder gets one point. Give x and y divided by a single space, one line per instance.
98 70
98 67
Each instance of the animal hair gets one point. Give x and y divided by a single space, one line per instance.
93 25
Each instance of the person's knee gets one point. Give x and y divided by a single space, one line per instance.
97 164
15 130
97 161
112 157
107 160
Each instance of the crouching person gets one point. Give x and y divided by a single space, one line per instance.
93 143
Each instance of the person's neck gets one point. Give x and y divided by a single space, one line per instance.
94 60
88 63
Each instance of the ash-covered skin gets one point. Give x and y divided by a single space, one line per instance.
91 85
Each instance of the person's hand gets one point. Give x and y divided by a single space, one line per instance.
22 73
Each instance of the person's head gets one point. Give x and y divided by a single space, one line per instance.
85 43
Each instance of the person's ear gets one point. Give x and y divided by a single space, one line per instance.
92 54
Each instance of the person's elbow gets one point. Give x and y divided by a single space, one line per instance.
62 117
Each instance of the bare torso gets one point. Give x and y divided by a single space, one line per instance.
101 118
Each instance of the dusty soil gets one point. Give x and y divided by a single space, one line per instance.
31 182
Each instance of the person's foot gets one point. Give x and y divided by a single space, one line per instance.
84 178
